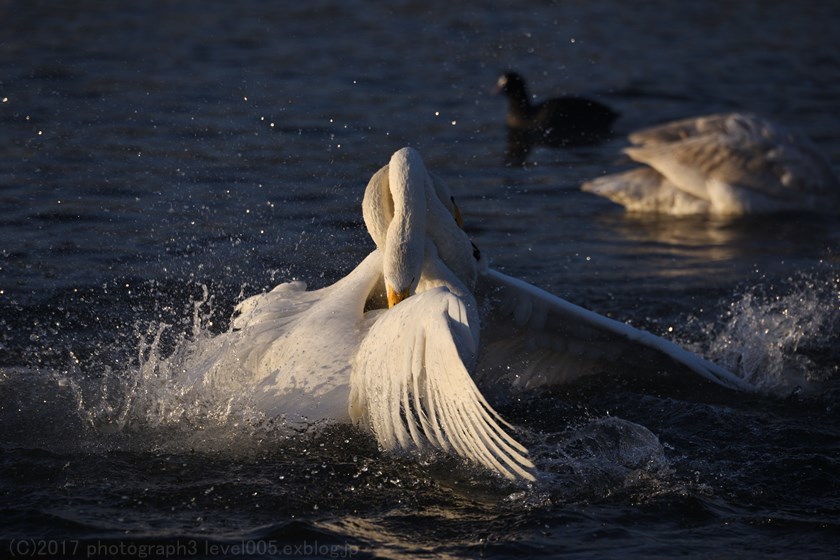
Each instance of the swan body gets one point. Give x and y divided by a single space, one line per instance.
725 164
397 345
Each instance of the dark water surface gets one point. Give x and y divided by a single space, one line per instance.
162 160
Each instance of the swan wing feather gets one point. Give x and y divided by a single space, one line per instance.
410 386
558 342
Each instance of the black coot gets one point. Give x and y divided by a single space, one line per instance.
559 122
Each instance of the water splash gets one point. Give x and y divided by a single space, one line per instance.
604 456
781 336
150 400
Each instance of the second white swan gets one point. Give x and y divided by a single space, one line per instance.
727 165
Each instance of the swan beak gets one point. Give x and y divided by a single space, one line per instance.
458 218
394 297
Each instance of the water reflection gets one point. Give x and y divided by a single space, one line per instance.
718 240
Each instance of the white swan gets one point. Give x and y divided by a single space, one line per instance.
725 164
405 371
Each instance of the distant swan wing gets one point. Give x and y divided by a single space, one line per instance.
411 387
738 149
677 131
533 338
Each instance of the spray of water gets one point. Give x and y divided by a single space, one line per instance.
780 336
156 399
600 457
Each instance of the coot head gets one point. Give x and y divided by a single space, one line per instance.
511 84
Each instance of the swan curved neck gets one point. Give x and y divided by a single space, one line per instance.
406 208
405 236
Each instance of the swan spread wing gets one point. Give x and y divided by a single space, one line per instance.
552 341
411 387
292 348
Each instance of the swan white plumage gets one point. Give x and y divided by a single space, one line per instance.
722 164
406 371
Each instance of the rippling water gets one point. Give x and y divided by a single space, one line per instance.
160 162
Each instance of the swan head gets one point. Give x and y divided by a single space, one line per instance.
404 207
